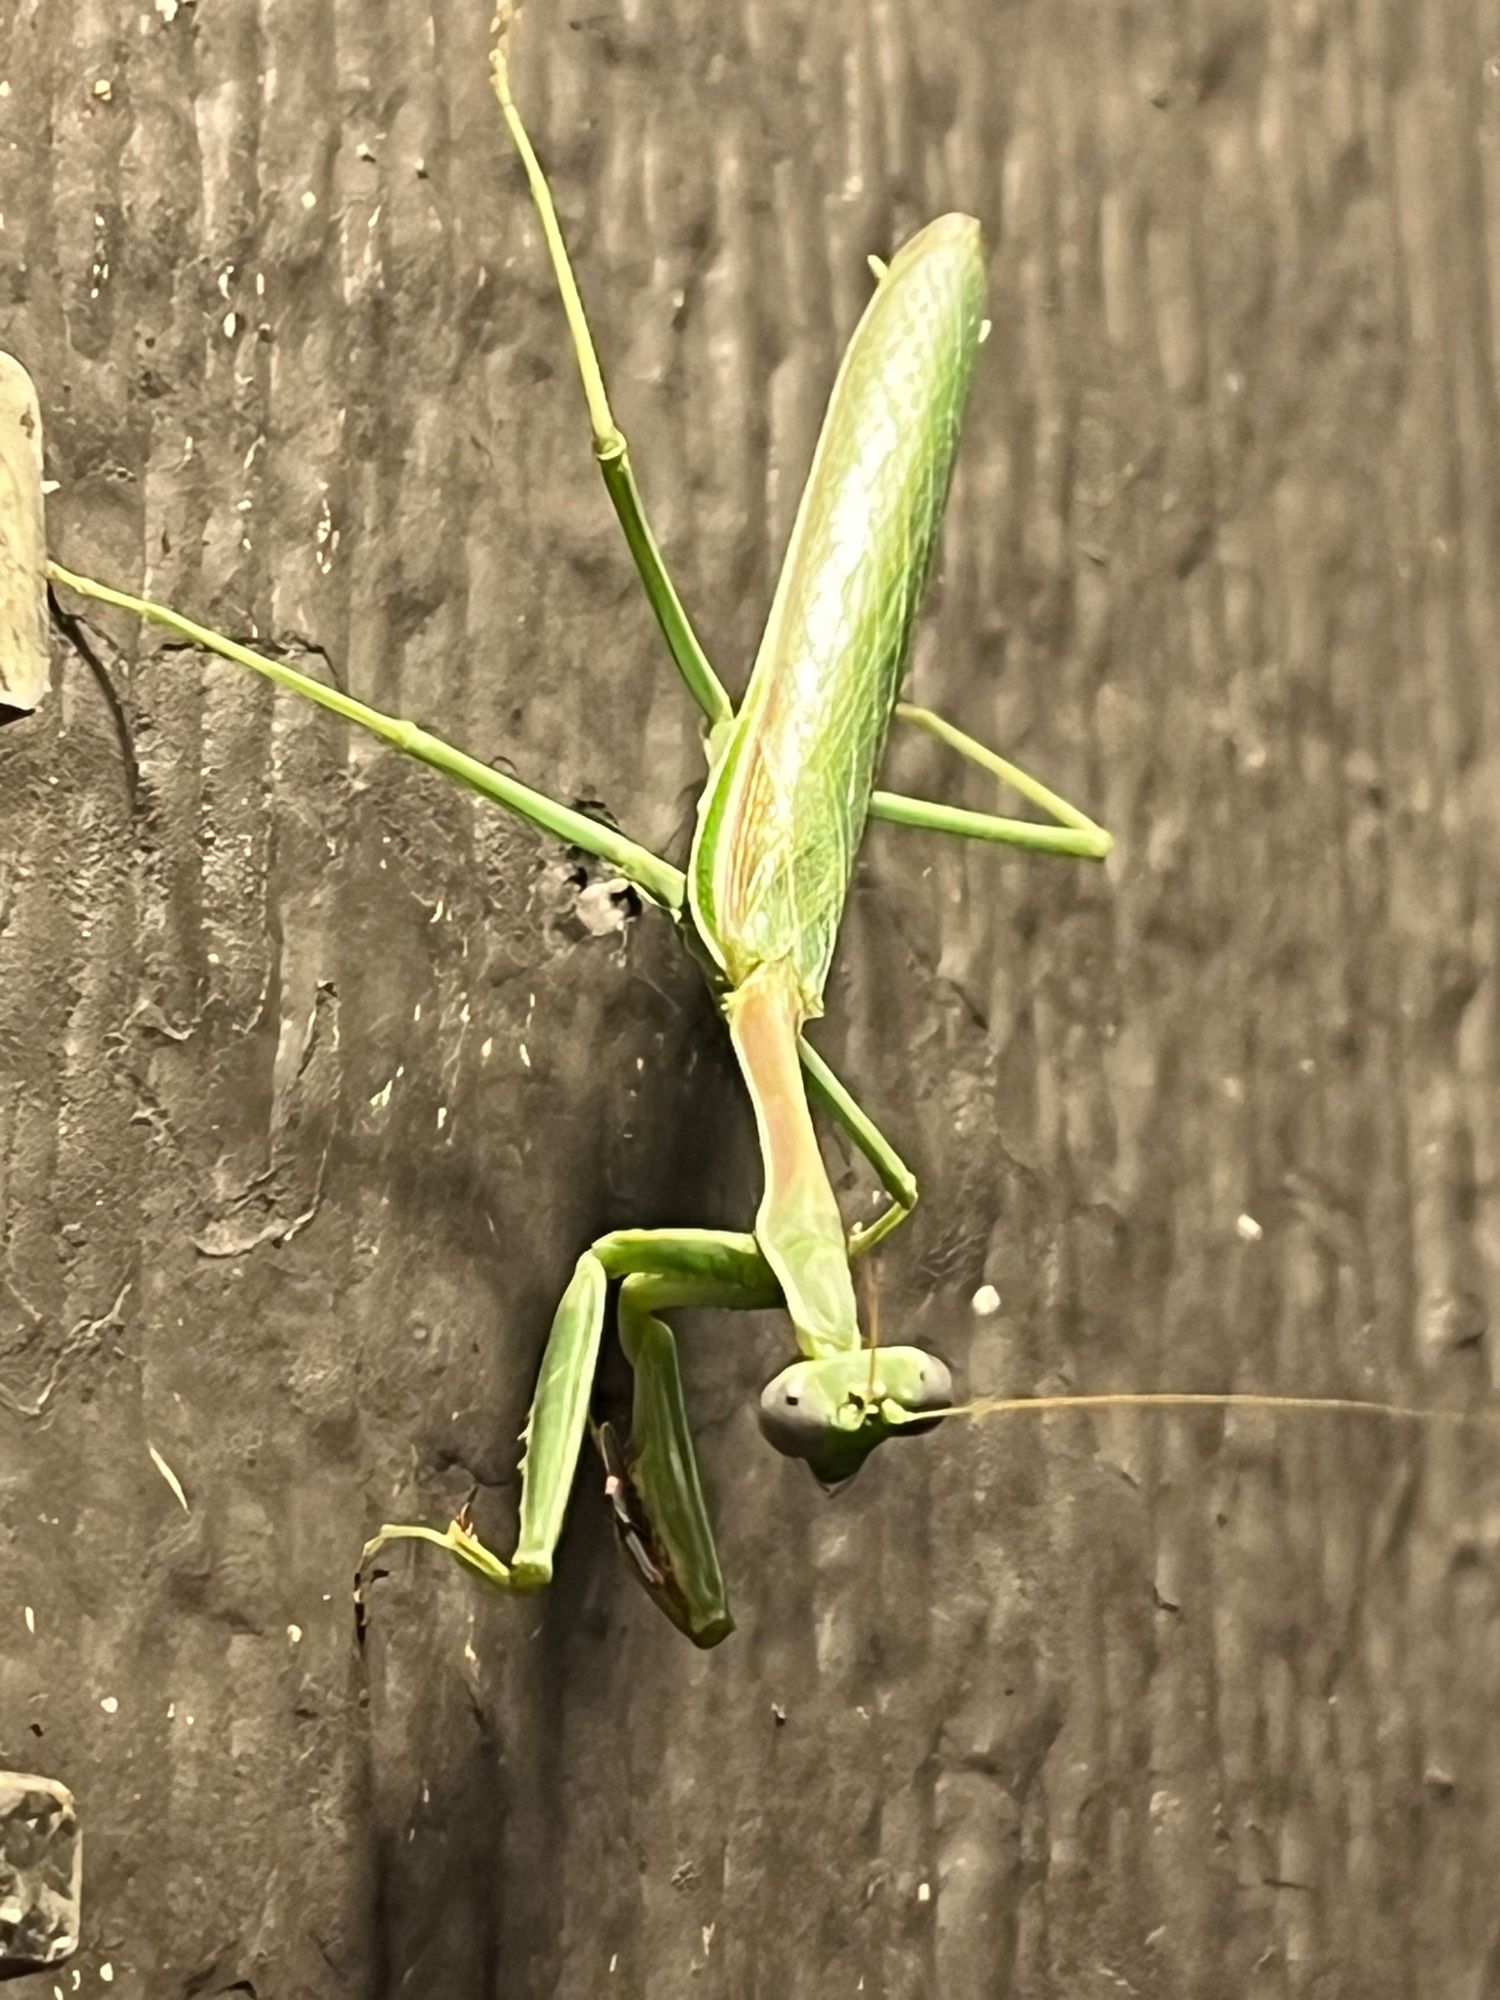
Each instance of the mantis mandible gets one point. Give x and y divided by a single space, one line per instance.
792 780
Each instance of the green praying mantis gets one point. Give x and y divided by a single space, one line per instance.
792 780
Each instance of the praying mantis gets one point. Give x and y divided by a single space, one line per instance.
791 782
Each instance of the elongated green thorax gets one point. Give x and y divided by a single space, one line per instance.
782 816
797 1226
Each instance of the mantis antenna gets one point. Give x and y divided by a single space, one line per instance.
1166 1399
868 1279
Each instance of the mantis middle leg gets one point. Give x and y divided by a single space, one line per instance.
1073 834
654 877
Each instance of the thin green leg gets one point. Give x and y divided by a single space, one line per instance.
610 447
894 1175
1074 833
654 877
661 1269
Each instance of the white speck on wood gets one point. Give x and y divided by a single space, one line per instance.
169 1475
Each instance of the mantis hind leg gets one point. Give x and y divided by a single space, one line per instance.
1073 832
657 1490
610 448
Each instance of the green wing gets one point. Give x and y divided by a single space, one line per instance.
781 819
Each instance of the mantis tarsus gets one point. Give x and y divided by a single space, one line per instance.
791 782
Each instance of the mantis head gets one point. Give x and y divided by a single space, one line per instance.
833 1411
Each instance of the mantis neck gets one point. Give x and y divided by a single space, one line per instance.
798 1225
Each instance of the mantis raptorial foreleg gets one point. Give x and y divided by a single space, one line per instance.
670 1539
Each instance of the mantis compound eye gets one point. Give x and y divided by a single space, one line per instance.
930 1388
795 1414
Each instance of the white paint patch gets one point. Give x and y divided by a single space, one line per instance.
109 1704
986 1301
1248 1229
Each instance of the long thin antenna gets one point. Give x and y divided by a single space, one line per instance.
867 1276
1166 1399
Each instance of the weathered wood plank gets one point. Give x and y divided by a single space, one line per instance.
315 1082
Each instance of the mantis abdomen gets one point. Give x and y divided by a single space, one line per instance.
781 819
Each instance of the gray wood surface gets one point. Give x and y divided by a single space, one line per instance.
317 1077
